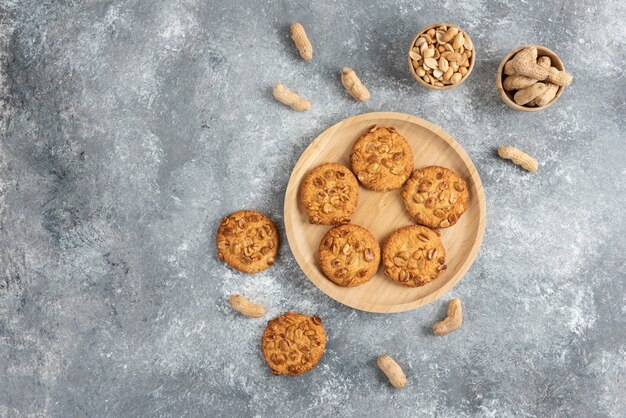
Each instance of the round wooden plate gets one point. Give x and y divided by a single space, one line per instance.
383 212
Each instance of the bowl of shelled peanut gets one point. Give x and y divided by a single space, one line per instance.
441 56
531 78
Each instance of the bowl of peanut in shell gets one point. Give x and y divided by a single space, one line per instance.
441 56
531 78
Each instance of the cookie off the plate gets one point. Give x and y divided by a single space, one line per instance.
293 343
247 241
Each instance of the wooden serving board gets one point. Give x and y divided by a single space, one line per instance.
383 212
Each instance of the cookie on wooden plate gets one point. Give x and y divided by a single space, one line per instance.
381 159
247 241
349 255
413 255
293 343
329 194
435 197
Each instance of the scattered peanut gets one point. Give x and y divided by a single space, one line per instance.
245 307
393 371
289 98
442 56
354 86
519 157
453 321
302 41
524 72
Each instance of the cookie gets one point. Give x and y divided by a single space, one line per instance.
381 159
413 256
349 255
247 241
329 194
435 197
293 343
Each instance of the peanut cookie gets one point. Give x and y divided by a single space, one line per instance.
413 255
381 159
349 255
329 194
293 343
435 197
247 241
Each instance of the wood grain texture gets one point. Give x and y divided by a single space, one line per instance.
507 96
383 212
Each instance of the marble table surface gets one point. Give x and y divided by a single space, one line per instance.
129 128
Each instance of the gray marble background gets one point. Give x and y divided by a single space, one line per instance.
129 128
